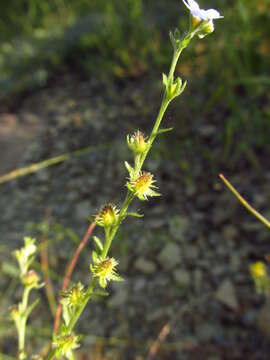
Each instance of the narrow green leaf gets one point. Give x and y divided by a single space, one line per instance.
31 308
100 293
165 79
162 131
117 278
129 169
98 243
94 256
134 214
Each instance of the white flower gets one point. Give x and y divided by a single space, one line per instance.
200 14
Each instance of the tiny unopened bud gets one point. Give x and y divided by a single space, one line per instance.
107 216
74 296
137 142
14 313
206 28
31 279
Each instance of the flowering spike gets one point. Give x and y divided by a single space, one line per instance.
143 186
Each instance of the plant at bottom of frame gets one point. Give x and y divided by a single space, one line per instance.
30 280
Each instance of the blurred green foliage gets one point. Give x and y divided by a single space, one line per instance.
127 39
241 58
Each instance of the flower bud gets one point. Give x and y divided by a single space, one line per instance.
107 216
14 313
31 279
74 296
206 28
137 142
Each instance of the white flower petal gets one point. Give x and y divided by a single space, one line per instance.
202 15
192 4
199 13
213 14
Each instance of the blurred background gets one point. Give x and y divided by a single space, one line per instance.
75 77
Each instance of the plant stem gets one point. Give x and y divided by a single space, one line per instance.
164 104
129 196
70 271
22 324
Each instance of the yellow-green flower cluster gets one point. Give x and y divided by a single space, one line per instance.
74 296
142 186
104 270
260 277
65 344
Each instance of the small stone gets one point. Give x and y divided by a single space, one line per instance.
198 278
119 298
220 215
178 227
191 252
145 266
229 232
169 256
249 318
206 332
263 321
235 262
83 210
226 295
156 314
139 284
182 277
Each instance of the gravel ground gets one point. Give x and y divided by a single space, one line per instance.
185 264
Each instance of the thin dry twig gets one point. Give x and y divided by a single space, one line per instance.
155 347
244 202
70 271
44 262
30 169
